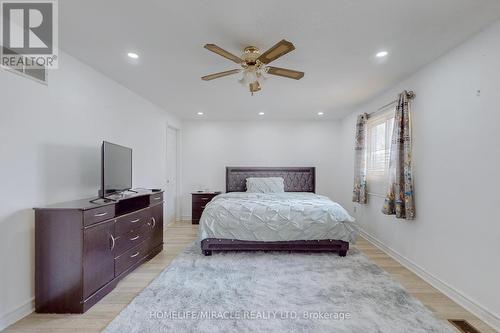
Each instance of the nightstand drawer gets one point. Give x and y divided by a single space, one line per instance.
196 214
199 202
200 205
203 199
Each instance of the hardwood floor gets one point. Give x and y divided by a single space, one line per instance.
438 303
177 237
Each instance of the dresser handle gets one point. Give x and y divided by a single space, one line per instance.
154 222
202 207
135 221
134 238
113 242
156 198
101 214
135 255
205 198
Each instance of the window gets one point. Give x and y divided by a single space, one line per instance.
378 147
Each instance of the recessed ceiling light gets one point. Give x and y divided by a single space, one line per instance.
261 113
133 55
382 54
320 113
200 113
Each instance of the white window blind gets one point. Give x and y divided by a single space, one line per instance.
379 134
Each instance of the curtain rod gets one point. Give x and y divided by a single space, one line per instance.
410 94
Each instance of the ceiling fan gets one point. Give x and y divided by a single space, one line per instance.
254 65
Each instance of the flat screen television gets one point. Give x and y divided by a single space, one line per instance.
116 168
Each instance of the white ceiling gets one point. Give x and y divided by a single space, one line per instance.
335 44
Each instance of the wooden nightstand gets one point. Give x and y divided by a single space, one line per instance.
199 200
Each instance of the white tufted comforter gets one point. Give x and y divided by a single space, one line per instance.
276 217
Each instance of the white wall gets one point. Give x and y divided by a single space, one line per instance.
49 152
209 146
456 158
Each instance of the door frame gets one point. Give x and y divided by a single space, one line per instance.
177 131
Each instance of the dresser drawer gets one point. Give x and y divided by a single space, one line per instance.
131 257
99 214
155 198
129 222
132 238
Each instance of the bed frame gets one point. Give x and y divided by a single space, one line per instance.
299 179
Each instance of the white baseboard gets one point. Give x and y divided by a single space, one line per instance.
459 298
17 314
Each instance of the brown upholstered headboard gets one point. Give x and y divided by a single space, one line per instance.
296 179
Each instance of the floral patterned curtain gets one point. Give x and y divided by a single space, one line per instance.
359 188
399 200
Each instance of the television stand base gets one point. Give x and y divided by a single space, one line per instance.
104 200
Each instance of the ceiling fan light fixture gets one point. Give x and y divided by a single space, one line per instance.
251 76
382 54
133 55
254 70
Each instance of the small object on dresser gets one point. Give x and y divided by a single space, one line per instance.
199 201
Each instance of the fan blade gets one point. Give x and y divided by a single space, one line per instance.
291 74
214 48
254 86
278 50
220 74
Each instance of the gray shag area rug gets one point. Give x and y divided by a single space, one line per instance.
274 292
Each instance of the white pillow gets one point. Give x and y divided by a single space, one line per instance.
266 185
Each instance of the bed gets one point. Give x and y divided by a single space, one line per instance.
296 220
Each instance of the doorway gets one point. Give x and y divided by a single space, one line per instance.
172 182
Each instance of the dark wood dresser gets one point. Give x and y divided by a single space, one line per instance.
83 249
199 200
